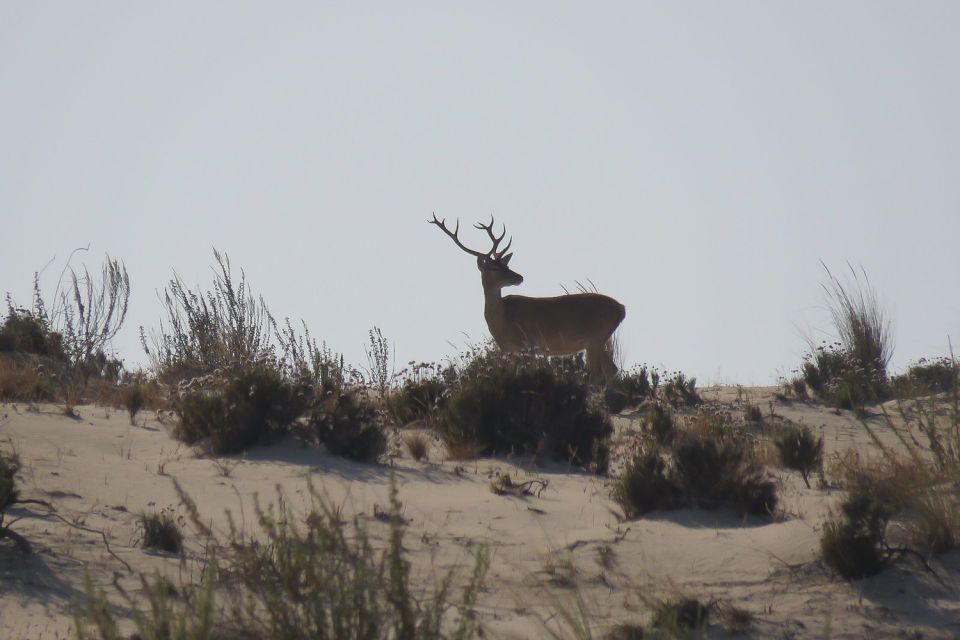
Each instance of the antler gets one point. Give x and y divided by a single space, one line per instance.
497 255
493 253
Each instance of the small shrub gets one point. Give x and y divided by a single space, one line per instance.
680 391
646 485
716 470
681 616
230 414
526 403
162 531
630 388
422 393
800 450
752 413
25 331
134 399
854 545
348 426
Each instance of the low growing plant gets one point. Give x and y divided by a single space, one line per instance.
161 530
855 543
799 450
525 403
347 425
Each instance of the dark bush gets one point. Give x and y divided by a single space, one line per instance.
646 485
681 616
927 376
525 403
162 531
9 465
712 471
134 398
799 450
630 388
854 545
25 331
421 394
346 424
679 390
250 406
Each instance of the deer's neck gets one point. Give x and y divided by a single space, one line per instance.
493 313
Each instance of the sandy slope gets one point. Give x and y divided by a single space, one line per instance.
101 472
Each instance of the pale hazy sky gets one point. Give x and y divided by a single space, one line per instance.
694 160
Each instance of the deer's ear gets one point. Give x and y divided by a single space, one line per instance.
505 260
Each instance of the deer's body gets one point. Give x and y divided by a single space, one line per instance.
559 325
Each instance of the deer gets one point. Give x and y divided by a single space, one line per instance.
559 325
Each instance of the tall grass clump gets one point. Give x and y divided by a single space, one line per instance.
206 332
852 371
525 403
422 392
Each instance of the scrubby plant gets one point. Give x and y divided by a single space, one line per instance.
679 390
646 485
320 580
10 495
347 425
799 450
134 398
855 543
525 403
715 470
422 392
927 376
161 530
24 381
378 361
629 388
251 405
680 617
28 331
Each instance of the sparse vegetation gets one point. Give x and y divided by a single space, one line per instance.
418 445
421 394
927 377
799 450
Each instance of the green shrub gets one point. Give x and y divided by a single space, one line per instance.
252 406
525 403
926 377
347 425
161 530
799 450
25 331
421 394
713 470
854 545
646 485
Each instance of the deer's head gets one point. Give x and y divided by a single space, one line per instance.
493 265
